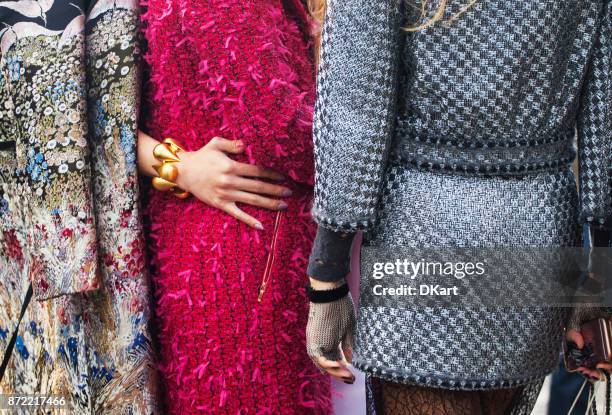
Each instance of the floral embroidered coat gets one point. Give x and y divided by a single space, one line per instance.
69 217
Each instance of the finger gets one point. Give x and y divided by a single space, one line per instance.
249 170
594 375
347 346
239 214
604 366
576 337
325 363
261 187
257 200
348 354
336 369
227 146
342 375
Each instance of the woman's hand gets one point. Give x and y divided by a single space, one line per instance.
575 336
217 180
329 334
578 316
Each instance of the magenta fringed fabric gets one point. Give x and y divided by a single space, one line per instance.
238 69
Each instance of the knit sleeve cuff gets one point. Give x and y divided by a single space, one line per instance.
331 255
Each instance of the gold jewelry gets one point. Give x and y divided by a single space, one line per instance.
167 153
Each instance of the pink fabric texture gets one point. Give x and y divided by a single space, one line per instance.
238 69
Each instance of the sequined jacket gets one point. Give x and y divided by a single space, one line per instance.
499 88
69 216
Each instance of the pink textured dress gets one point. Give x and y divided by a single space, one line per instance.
239 69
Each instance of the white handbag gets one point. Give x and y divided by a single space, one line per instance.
592 402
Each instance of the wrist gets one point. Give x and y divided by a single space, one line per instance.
325 296
183 178
167 155
326 285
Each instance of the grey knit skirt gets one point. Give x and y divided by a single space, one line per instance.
468 348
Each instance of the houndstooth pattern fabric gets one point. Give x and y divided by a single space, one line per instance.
354 119
424 209
499 89
595 127
457 347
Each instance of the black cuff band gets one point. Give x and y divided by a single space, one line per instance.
326 296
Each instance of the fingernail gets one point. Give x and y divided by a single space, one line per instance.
283 205
259 226
287 192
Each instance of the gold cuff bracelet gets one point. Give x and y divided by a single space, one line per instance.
166 152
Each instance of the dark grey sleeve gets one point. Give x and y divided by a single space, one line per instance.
331 255
594 129
355 110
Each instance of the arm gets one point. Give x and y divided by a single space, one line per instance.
330 258
328 265
354 121
599 266
51 212
594 127
217 180
146 161
355 110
